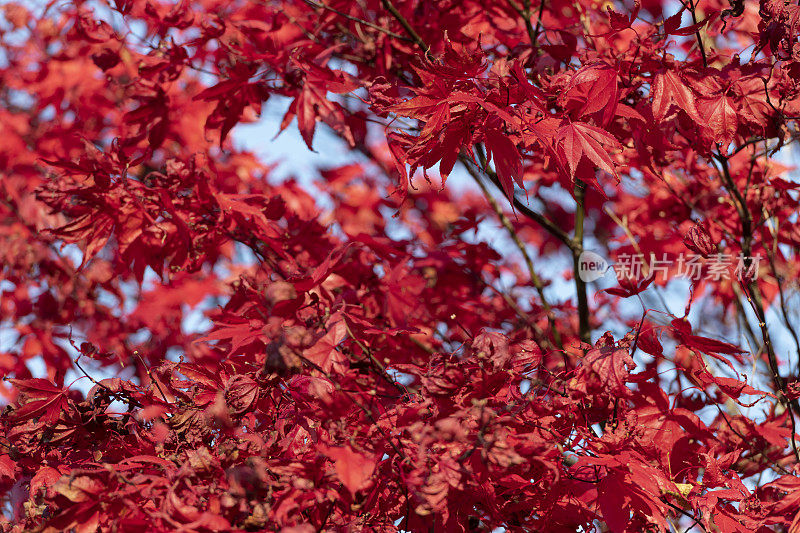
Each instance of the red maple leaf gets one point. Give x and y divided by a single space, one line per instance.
668 90
353 469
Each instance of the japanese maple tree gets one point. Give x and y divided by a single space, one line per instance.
385 349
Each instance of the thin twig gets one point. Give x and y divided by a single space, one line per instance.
535 279
697 33
779 280
372 25
753 293
526 17
538 22
540 219
406 26
150 375
382 369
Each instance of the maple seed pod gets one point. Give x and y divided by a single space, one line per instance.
699 241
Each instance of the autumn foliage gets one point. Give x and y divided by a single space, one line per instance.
191 342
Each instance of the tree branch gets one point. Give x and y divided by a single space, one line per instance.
700 44
372 25
535 279
538 22
540 219
580 286
753 293
525 13
406 26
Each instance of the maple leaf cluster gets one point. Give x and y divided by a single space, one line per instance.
382 350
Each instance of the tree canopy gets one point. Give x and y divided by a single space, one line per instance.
596 330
